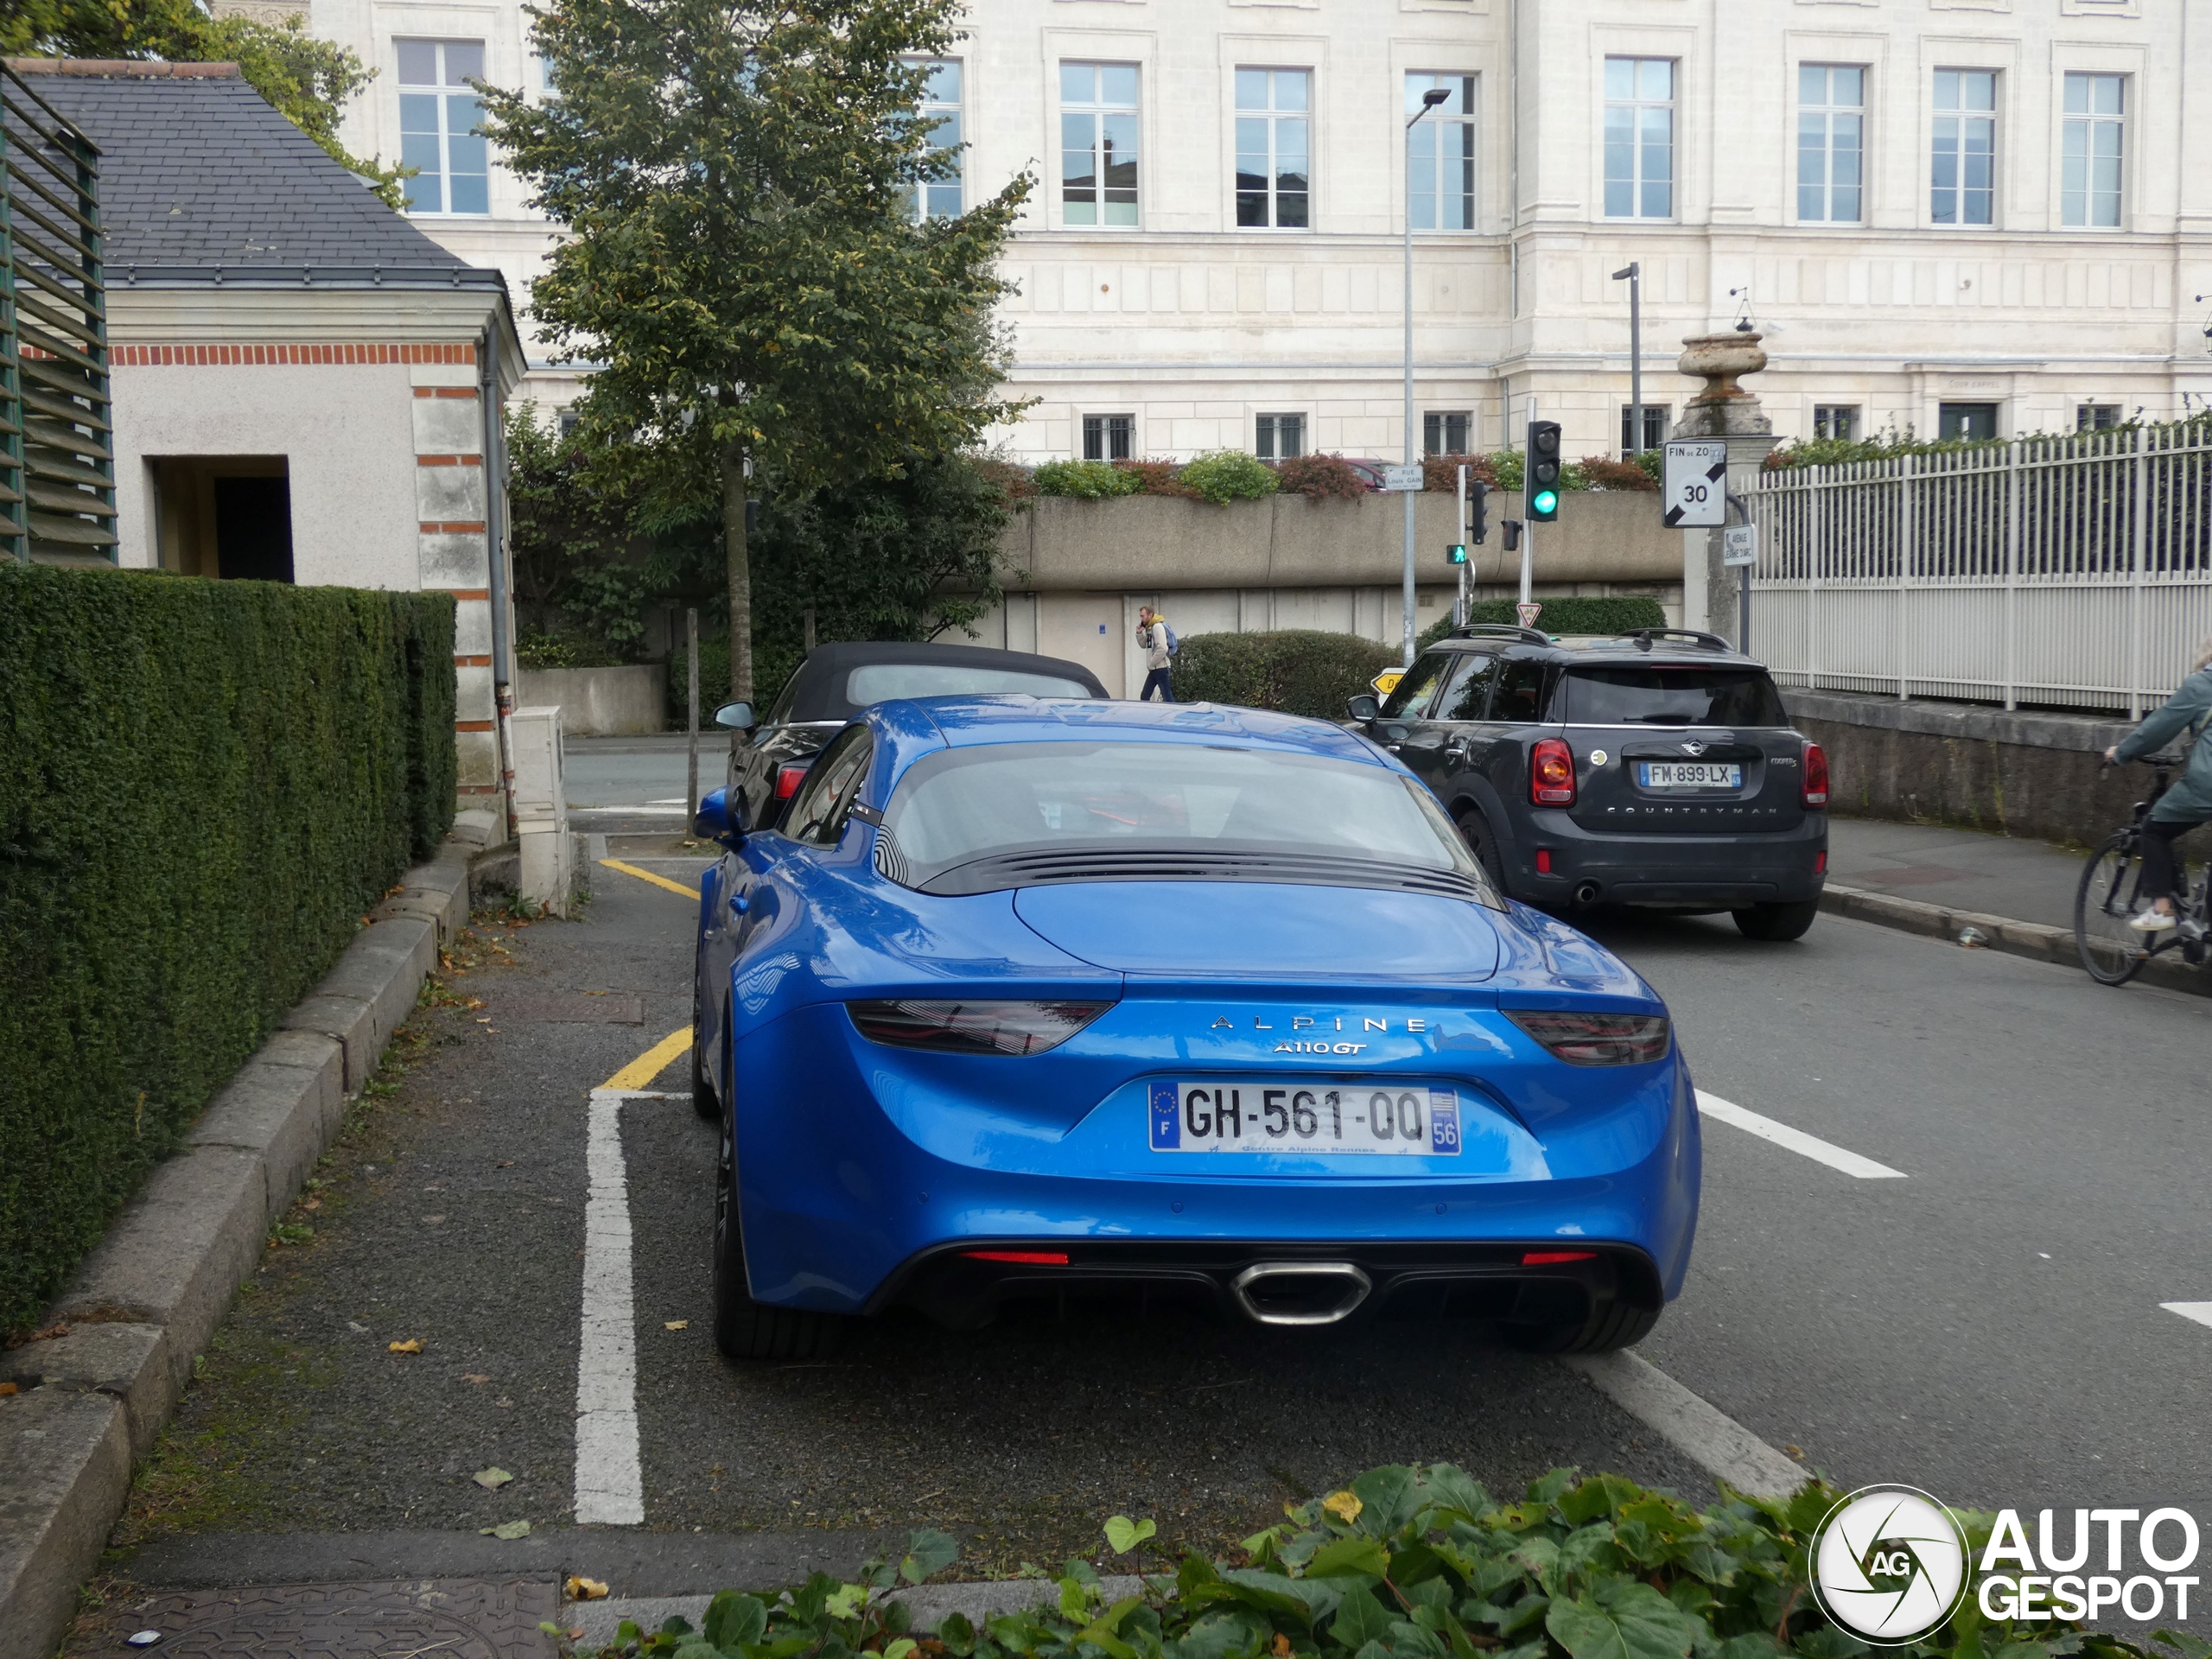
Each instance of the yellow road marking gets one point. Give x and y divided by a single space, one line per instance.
647 875
651 1064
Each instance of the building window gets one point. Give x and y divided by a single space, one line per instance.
1106 437
1447 432
568 420
1962 182
1654 426
1440 179
939 111
1830 142
1639 137
438 133
1967 421
1098 144
2095 418
2095 137
1272 163
1279 437
1836 421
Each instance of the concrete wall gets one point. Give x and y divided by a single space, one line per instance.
1078 570
600 701
2019 775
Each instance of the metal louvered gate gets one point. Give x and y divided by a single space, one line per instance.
57 461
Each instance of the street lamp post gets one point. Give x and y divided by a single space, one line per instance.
1429 100
1634 276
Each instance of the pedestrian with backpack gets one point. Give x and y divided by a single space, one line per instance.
1158 642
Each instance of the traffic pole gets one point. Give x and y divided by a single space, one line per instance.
691 687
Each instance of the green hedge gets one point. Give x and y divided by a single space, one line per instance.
1297 672
203 785
1615 615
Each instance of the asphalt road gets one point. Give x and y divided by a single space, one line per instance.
1987 1328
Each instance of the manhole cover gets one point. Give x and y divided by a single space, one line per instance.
420 1618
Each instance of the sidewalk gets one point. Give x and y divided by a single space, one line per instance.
1958 869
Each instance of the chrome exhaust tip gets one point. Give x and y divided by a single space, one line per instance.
1300 1292
1586 894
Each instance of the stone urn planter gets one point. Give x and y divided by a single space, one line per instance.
1719 361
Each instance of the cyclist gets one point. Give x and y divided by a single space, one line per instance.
2185 806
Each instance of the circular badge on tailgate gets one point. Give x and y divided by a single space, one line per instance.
1597 757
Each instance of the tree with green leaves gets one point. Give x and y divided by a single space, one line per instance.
309 81
742 261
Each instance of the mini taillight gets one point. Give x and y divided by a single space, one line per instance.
1554 1258
1597 1038
1551 773
1821 863
1020 1258
788 775
1543 861
1816 775
973 1027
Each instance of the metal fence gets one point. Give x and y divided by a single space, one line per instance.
2068 572
57 461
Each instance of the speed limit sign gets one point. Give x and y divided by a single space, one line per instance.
1694 492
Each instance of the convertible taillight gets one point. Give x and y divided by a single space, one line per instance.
788 777
1597 1038
973 1027
1551 773
1816 775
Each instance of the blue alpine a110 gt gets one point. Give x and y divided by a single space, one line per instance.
1033 999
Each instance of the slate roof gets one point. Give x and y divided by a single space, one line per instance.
198 172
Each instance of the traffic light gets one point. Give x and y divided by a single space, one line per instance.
1540 472
1456 553
1478 513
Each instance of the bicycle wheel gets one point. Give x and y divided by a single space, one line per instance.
2110 950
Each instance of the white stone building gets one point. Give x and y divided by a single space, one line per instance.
1960 215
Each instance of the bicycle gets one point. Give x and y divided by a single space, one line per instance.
2111 892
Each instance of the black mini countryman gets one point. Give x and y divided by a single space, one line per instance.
1658 767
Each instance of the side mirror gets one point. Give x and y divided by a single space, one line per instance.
1362 707
737 716
716 822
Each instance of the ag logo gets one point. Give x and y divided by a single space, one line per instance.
1889 1565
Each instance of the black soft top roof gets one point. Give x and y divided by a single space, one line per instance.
816 691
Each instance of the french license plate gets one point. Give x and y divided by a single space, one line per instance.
1337 1119
1688 774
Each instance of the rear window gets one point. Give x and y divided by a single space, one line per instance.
1672 697
879 682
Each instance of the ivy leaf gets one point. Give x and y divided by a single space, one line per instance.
1530 1610
1365 1555
1540 1556
1757 1645
1589 1551
1388 1499
1075 1600
1452 1487
1360 1619
1638 1623
957 1635
735 1621
928 1551
1123 1534
1714 1565
1826 1642
1547 1490
1271 1592
844 1602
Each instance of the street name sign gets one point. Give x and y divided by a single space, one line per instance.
1739 544
1403 478
1694 492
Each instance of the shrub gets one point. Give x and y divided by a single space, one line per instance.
1615 614
1086 481
1320 478
562 650
713 682
1015 482
1227 475
1602 473
202 786
1295 671
1442 472
1157 478
1408 1561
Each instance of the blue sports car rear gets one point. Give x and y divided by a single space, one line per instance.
1033 999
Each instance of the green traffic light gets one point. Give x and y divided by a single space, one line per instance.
1545 501
1457 553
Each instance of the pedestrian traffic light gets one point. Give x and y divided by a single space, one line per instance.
1478 513
1456 553
1540 471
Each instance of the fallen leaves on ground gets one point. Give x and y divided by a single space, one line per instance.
7 1391
412 1345
583 1589
492 1479
475 1377
506 1529
679 1325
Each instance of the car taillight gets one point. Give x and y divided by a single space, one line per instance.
1597 1039
1816 775
788 775
1020 1258
1554 1258
973 1027
1551 773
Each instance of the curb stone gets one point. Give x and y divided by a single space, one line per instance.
144 1305
2036 941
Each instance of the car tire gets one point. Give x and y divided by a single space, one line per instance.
1611 1324
1776 923
745 1328
703 1098
1474 830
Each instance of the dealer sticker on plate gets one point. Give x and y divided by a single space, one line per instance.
1234 1115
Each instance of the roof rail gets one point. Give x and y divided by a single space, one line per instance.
1469 630
1643 637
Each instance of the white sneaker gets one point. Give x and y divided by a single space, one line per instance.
2152 921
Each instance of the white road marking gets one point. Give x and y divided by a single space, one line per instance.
1692 1424
2201 1311
1806 1145
610 1485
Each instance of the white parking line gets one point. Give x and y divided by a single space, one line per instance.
1806 1145
610 1484
2201 1311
